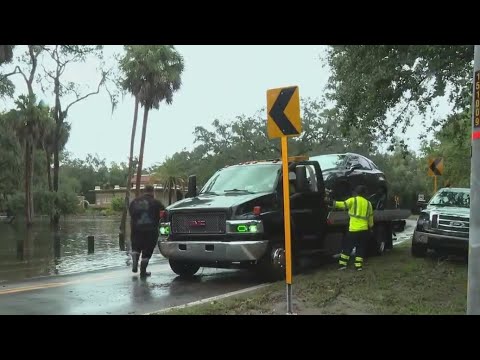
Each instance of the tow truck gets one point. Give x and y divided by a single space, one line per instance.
236 220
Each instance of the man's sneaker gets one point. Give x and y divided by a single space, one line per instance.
342 268
359 269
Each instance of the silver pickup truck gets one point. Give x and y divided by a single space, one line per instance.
443 224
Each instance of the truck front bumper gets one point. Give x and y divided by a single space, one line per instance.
213 251
438 241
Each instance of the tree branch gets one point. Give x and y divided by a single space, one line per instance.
85 96
12 73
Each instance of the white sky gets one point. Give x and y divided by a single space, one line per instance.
219 81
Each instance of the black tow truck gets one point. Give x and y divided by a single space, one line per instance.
236 220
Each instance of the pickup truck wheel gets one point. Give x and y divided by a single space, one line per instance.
419 250
183 269
272 266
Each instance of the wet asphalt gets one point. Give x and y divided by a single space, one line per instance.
117 292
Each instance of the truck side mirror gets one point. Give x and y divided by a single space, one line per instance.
192 186
301 178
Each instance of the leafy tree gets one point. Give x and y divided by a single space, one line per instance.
369 82
62 55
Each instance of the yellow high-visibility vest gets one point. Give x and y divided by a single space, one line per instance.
360 211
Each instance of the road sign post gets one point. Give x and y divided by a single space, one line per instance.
435 168
283 121
473 295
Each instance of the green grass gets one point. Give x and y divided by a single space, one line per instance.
395 283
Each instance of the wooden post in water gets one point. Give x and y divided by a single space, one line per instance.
91 244
121 241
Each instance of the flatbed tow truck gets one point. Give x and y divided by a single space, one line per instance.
236 220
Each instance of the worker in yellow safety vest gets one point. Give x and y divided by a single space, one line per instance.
360 212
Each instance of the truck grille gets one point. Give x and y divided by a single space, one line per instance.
453 224
212 223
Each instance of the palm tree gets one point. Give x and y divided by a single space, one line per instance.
161 67
131 82
46 142
30 119
171 177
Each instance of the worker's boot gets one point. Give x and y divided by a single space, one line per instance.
143 268
135 257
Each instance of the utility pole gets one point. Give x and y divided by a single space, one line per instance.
473 296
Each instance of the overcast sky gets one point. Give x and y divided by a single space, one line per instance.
219 81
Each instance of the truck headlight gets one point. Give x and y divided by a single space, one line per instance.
244 226
164 229
423 221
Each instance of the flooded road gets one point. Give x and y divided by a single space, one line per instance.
29 254
117 292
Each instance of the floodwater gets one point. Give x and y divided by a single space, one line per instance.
39 252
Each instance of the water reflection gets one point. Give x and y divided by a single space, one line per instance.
42 251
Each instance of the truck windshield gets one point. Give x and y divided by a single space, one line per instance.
254 178
452 198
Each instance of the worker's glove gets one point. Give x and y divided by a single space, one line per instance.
328 199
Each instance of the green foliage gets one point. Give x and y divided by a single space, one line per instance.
16 203
117 204
11 157
67 202
44 202
151 72
370 81
453 143
7 88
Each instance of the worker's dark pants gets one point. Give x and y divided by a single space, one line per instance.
359 240
144 242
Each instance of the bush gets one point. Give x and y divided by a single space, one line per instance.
118 204
16 203
67 203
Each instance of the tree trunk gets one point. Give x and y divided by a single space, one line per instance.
170 196
28 183
56 167
58 115
49 170
130 170
142 146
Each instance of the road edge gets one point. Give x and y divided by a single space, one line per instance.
210 299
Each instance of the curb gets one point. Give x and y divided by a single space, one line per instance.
203 301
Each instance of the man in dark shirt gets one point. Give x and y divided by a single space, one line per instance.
145 217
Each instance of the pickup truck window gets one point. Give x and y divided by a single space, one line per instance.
253 178
451 198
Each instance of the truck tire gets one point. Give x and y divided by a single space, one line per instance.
419 250
182 268
272 267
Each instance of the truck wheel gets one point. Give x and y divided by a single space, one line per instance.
272 266
419 250
183 269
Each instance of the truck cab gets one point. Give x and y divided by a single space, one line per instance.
443 224
236 219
